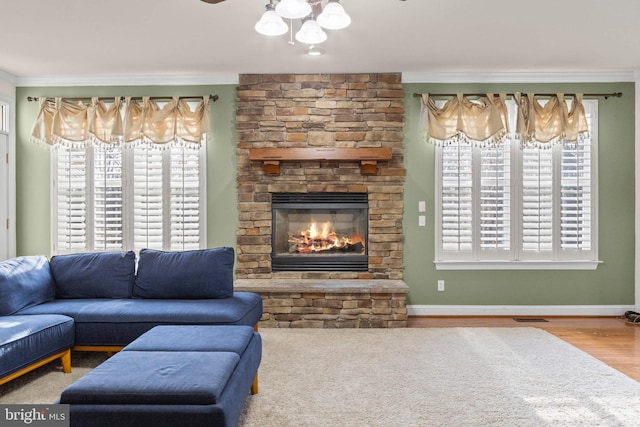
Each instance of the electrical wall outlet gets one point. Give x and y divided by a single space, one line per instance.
422 206
441 285
422 221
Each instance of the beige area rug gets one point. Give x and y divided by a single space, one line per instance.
410 377
435 377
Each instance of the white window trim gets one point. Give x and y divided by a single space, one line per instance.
516 265
8 223
531 264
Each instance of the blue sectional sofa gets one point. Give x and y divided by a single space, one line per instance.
104 301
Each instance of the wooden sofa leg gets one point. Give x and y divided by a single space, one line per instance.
66 362
254 386
64 356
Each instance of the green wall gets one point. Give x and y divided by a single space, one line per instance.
612 283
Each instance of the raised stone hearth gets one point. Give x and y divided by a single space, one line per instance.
330 303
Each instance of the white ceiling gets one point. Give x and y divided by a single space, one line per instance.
156 40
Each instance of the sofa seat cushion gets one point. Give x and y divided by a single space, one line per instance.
27 339
118 322
94 275
231 338
159 378
234 310
24 281
205 273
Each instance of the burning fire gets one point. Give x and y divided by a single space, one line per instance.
322 239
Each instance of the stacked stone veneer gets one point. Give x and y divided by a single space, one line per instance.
320 110
328 304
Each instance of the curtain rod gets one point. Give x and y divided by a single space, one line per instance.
213 97
586 95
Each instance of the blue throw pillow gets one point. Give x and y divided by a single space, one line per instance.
24 281
206 273
94 275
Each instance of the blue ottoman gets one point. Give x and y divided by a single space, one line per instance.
234 338
172 375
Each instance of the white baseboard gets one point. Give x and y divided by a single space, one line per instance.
518 310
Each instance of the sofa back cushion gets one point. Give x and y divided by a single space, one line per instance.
94 275
205 273
24 281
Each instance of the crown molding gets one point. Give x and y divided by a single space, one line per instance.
407 77
521 77
177 80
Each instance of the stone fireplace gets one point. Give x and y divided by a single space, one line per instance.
327 134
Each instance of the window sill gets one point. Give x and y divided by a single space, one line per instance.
516 265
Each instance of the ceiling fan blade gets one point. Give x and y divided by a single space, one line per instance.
212 1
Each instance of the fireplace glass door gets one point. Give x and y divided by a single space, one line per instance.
319 232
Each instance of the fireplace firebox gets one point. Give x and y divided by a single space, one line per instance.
319 231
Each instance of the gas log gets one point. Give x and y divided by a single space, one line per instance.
304 244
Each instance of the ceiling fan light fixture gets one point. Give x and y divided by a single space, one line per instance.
271 24
293 9
311 33
333 16
314 18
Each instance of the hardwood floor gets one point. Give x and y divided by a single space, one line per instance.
608 339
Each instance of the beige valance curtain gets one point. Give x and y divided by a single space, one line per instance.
131 120
552 122
485 120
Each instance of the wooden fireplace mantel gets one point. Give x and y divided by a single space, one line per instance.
368 157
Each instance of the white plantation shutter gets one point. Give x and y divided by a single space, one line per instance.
471 218
185 198
495 198
537 199
457 197
113 198
575 199
107 196
576 192
70 200
148 197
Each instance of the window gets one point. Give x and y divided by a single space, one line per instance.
117 197
508 206
4 118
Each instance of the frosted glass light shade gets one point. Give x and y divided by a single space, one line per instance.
293 9
271 24
315 51
333 17
311 33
